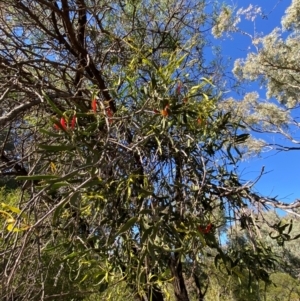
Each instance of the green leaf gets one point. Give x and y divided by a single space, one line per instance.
72 255
52 104
52 134
229 153
57 213
92 183
58 185
217 258
296 237
11 208
6 214
208 81
146 234
74 197
290 227
145 211
144 193
12 228
84 278
36 178
56 148
128 225
241 138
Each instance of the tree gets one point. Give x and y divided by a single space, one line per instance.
127 162
273 63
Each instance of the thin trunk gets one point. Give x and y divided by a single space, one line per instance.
200 294
178 281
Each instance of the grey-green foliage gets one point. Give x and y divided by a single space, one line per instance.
287 250
260 116
274 63
291 20
277 234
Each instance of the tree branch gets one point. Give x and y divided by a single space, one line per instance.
18 110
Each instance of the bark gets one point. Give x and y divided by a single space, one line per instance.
178 281
200 294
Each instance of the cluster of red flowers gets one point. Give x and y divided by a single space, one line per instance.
205 230
64 125
108 110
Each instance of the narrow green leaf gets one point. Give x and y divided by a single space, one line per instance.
146 234
11 208
52 134
208 81
36 177
13 228
92 183
290 227
145 211
72 255
241 138
52 104
6 214
128 225
296 237
58 185
229 153
74 197
57 213
56 148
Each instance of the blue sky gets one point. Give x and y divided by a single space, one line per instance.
282 168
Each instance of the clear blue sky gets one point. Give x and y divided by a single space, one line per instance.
282 178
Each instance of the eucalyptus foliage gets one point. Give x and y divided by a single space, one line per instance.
272 62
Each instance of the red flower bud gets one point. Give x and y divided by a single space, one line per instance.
63 123
164 113
73 122
94 105
109 114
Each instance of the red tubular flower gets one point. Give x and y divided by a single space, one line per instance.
208 228
94 105
63 123
73 122
205 230
109 114
164 113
